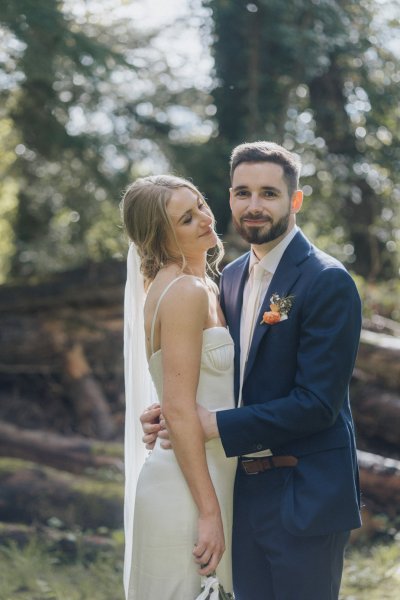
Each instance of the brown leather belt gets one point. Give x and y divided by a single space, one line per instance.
253 466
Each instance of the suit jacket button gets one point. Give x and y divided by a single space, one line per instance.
259 446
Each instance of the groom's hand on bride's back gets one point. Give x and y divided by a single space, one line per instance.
153 426
150 420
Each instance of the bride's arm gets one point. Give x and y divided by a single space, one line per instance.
183 315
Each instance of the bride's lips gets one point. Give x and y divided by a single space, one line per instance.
208 232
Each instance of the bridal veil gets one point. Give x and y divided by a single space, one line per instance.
139 394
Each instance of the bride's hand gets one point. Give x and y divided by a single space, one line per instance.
210 544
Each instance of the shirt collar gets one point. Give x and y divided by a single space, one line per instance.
271 260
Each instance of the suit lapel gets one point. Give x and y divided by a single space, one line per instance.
236 299
233 304
282 282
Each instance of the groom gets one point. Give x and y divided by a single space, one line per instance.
295 317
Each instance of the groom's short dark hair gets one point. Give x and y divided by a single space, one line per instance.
268 152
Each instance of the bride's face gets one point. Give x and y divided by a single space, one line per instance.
192 222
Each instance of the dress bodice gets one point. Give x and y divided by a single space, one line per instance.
215 387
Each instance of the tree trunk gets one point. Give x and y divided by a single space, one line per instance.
328 101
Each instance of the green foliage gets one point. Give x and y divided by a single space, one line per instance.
94 102
379 298
321 80
88 98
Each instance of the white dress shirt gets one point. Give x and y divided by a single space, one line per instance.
270 263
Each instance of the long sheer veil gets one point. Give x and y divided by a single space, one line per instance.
139 393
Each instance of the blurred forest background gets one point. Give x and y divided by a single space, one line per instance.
95 93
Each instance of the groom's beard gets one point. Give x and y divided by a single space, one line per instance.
261 235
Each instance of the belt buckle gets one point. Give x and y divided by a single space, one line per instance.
248 460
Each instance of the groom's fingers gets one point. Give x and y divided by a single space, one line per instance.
150 425
151 415
149 440
166 444
149 428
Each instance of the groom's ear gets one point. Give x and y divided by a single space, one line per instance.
297 201
230 197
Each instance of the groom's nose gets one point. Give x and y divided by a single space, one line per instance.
254 201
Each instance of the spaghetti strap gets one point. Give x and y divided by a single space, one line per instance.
156 311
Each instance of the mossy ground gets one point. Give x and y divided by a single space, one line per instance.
37 572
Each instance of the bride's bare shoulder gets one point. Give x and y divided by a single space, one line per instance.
177 293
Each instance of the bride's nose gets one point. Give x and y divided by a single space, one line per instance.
207 219
205 226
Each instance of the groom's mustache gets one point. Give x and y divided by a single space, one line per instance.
257 217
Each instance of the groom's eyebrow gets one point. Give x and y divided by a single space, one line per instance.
269 188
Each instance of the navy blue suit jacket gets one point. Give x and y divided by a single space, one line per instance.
295 389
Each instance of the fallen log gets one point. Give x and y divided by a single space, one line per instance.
40 322
74 454
382 325
101 284
379 356
30 493
90 405
40 328
376 411
380 483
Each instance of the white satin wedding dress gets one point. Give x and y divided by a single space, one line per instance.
165 517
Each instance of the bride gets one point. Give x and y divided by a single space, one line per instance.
178 508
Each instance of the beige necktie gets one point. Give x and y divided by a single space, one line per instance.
250 316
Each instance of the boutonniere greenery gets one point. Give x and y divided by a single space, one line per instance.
280 308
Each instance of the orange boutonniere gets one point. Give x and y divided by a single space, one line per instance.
280 308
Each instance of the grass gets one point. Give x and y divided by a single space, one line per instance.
372 573
38 572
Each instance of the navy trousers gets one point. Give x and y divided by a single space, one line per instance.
269 563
